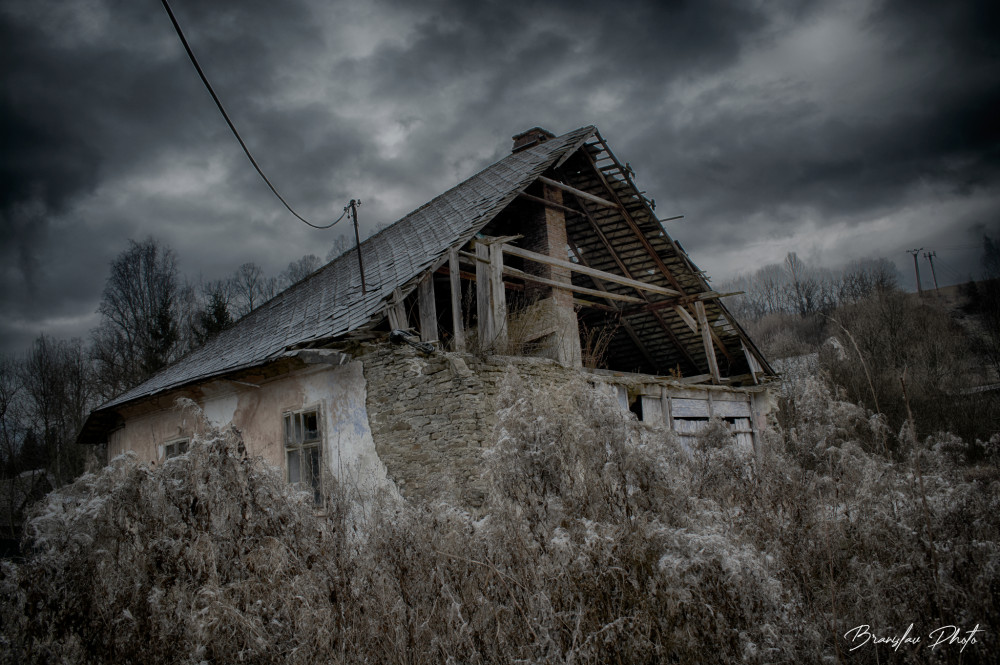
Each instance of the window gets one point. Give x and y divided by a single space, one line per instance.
303 452
175 448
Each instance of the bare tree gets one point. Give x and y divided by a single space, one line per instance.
214 316
299 270
139 331
251 288
56 379
340 245
11 427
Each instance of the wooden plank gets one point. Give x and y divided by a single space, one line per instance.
667 408
706 338
428 309
692 380
520 274
731 409
688 319
498 299
484 309
577 192
514 272
679 301
689 408
652 410
455 278
576 267
397 312
751 363
550 204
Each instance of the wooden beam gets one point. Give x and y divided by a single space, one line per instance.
397 312
498 299
484 311
673 302
751 363
688 319
577 267
667 407
577 192
692 380
706 338
428 309
514 272
455 279
510 286
550 204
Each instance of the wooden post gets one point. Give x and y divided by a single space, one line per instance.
454 275
667 408
428 309
706 338
397 312
498 300
751 363
484 307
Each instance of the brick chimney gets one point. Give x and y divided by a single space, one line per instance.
531 137
550 314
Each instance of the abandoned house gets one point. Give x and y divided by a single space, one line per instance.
549 263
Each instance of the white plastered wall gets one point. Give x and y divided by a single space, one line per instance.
338 392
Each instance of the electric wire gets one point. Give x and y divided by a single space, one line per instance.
239 138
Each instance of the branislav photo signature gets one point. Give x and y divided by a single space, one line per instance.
940 637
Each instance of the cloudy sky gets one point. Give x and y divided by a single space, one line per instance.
837 130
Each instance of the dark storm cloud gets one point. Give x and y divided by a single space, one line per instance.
842 125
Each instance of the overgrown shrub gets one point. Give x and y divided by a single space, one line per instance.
605 541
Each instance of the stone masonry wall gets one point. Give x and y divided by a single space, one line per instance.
432 417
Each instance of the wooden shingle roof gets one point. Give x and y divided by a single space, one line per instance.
330 303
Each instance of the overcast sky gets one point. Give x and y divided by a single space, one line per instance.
837 130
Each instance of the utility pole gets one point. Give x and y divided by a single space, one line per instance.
930 259
353 205
916 268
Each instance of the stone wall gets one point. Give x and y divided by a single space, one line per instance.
433 417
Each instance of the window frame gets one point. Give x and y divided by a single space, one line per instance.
174 445
307 444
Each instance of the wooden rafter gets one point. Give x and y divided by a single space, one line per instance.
621 266
650 250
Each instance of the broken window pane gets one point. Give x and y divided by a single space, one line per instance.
294 470
311 426
175 448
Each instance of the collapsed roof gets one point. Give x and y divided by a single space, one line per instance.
610 227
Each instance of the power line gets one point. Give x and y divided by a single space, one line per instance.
239 138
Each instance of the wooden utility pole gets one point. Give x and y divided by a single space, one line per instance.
353 205
930 259
916 268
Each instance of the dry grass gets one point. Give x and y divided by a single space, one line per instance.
604 544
